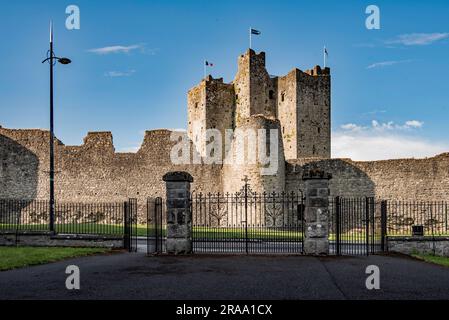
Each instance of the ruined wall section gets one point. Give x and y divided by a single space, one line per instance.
93 172
314 117
401 179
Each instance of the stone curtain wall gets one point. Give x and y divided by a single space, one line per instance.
93 171
402 179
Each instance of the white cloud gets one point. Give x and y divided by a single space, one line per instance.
351 127
414 124
177 129
387 63
116 49
129 149
367 147
383 126
383 140
418 39
116 74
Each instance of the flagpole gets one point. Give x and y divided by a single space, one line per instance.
250 38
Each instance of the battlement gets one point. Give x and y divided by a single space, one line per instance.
210 79
250 56
317 71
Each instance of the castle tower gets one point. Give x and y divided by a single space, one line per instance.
255 91
300 101
211 105
267 177
304 110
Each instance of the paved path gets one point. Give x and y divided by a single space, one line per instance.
135 276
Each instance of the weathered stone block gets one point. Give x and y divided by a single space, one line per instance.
317 202
317 230
314 214
316 246
178 246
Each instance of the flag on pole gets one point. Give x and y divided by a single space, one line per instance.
251 32
207 64
325 56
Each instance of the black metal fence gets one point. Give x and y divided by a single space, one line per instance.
247 222
156 226
431 216
131 230
357 226
70 218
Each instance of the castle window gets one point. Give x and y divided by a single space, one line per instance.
319 130
196 105
236 97
283 129
271 94
283 97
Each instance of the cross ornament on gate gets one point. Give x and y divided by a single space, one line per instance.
246 179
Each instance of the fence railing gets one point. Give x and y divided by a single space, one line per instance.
70 218
403 215
108 218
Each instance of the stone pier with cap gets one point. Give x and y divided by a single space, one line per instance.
179 215
316 216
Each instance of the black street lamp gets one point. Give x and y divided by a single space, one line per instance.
51 59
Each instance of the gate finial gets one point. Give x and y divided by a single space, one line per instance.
246 180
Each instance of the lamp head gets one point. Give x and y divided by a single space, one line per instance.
64 60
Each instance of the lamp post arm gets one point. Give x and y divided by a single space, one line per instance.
50 58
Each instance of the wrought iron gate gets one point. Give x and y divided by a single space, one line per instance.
248 222
156 226
357 226
130 225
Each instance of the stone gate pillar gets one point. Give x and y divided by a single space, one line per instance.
316 215
179 215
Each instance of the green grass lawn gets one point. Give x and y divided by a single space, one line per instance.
443 261
198 232
19 257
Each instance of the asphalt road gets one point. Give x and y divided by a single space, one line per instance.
256 247
136 276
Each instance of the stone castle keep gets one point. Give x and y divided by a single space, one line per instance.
297 105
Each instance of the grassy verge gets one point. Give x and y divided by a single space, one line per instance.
19 257
443 261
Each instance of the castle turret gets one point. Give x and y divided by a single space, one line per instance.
211 105
257 152
255 91
304 110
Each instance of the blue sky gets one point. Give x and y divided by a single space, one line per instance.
134 61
